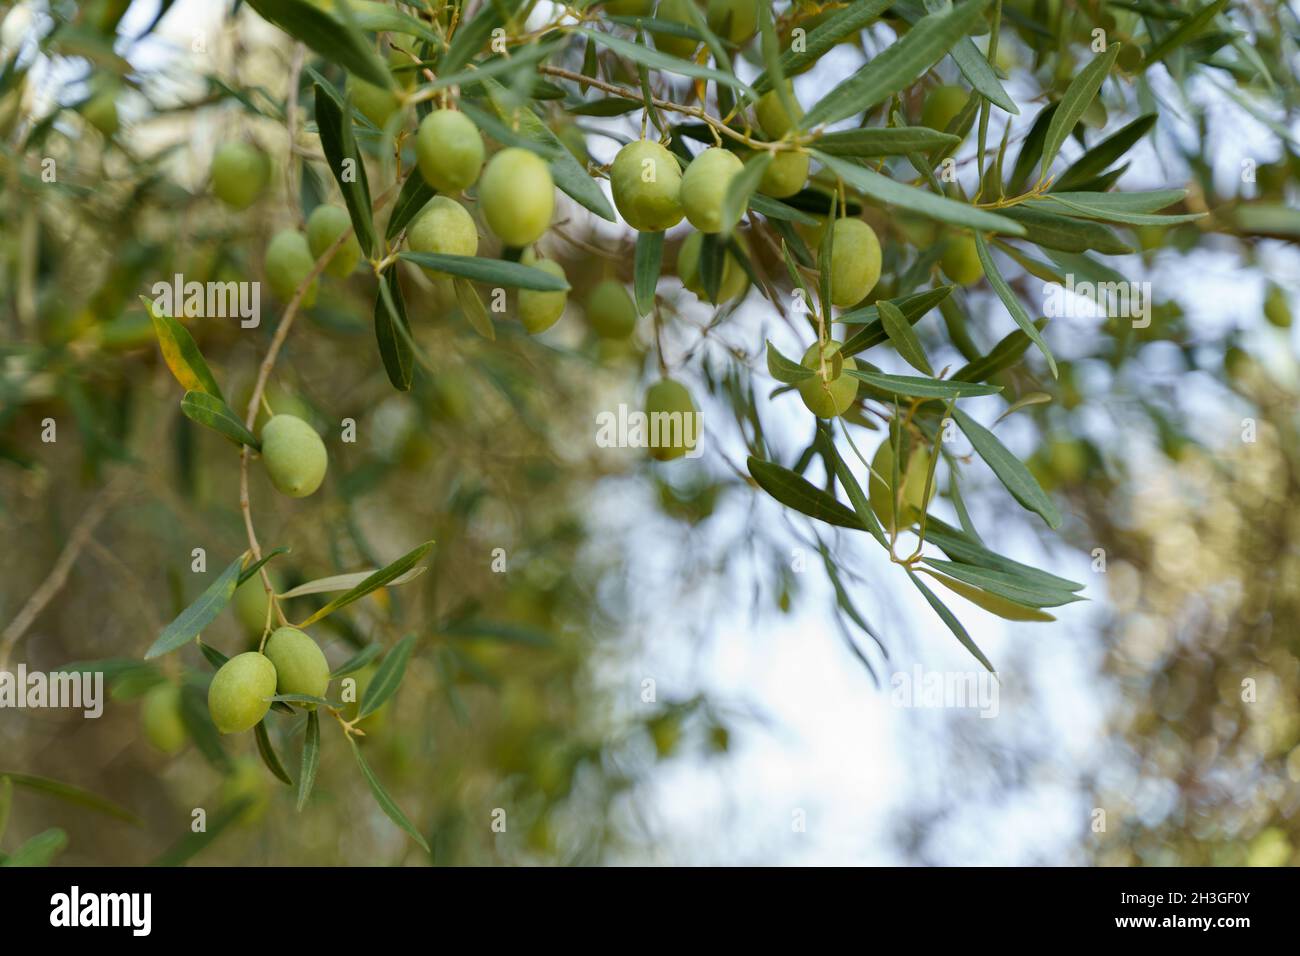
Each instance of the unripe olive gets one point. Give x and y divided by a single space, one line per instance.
300 665
785 175
913 477
376 720
670 437
647 184
733 283
827 399
294 454
251 604
1276 308
538 311
942 105
575 141
705 183
675 11
444 227
961 261
733 20
611 312
240 692
449 149
247 781
855 261
517 195
666 732
375 103
1130 57
161 716
239 174
324 226
773 118
288 262
628 8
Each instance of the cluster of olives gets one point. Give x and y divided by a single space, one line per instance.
241 690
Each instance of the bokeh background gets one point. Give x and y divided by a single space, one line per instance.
1167 706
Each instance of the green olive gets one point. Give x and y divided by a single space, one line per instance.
376 720
855 261
517 196
942 104
785 175
294 454
449 149
375 103
827 399
247 781
734 281
1276 308
611 312
773 118
240 692
161 716
444 226
705 183
675 11
647 183
251 604
912 477
324 226
100 110
666 732
538 311
300 665
733 20
675 433
240 173
288 262
961 261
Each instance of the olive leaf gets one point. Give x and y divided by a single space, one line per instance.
494 272
838 26
200 614
1183 33
256 566
357 661
913 308
333 122
786 370
741 188
180 352
342 582
904 338
384 576
912 386
885 141
1005 584
1009 469
648 261
310 758
950 620
658 60
1003 355
69 793
1095 160
387 677
391 809
1012 303
1078 97
472 306
392 332
800 494
269 757
326 36
40 850
194 841
414 196
208 410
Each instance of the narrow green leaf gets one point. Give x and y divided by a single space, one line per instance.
1095 161
1009 469
1002 356
646 266
785 370
1008 297
379 579
343 582
913 307
904 338
68 793
391 809
334 124
357 661
1005 585
180 352
1003 608
473 309
1111 214
40 850
841 24
885 141
200 728
911 386
861 505
6 802
1184 33
387 677
741 189
1052 230
193 842
800 494
268 754
950 620
394 347
961 546
310 758
919 200
256 566
975 66
493 272
212 412
200 614
326 36
782 212
897 66
415 195
1078 97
